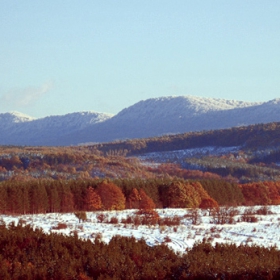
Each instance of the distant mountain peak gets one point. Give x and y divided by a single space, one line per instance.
20 115
275 101
187 105
146 118
15 117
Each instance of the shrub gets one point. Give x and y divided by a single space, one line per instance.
223 215
248 216
170 221
264 210
195 217
81 215
101 218
114 220
21 222
136 220
167 239
60 226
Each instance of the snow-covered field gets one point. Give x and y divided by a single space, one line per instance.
264 232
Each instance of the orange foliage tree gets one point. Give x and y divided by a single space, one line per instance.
133 199
146 203
261 193
140 200
111 196
274 192
185 195
208 203
256 193
93 200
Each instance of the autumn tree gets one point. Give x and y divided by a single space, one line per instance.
185 195
111 196
208 204
133 199
146 203
256 193
274 192
93 200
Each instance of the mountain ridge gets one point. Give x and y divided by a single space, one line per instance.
146 118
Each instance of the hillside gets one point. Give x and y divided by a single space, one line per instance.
249 137
248 153
18 129
148 118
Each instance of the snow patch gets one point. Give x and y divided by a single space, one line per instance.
264 232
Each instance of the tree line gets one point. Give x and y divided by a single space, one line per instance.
48 196
251 136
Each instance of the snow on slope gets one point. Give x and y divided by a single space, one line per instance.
148 118
18 117
264 232
9 119
182 106
157 116
77 120
45 130
180 156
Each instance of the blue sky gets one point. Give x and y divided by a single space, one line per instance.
60 56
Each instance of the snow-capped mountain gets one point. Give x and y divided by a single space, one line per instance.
169 115
18 129
148 118
11 118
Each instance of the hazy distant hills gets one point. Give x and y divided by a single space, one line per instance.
152 117
19 129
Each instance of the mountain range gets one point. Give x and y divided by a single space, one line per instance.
148 118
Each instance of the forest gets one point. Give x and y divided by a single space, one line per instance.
32 254
252 136
125 175
61 196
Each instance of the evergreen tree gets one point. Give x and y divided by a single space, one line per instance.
67 200
54 200
38 198
3 199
